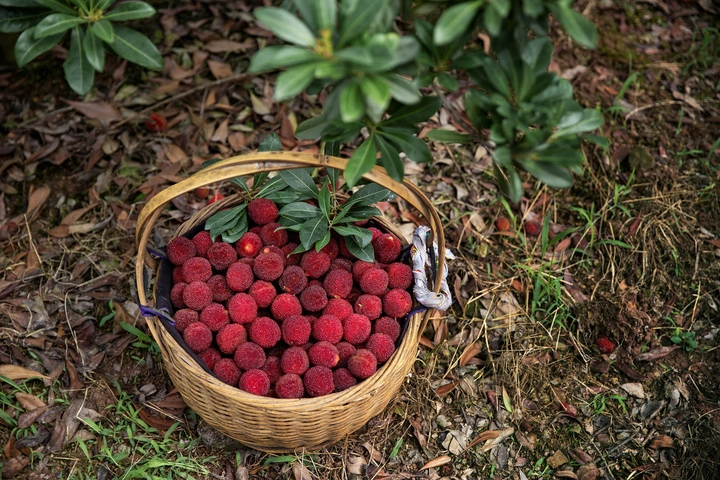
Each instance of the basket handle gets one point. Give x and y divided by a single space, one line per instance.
251 163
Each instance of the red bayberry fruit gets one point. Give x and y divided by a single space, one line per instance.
533 228
605 345
156 122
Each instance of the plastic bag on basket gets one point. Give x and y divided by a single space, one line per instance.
423 258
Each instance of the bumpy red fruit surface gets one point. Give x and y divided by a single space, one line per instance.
359 268
387 248
362 364
327 328
318 381
214 316
315 264
180 250
397 303
285 305
533 228
185 317
324 354
381 345
221 255
229 337
356 328
345 351
338 283
502 224
605 345
268 266
296 330
369 305
399 275
255 381
273 234
289 385
293 280
263 292
219 288
272 368
227 371
313 298
176 295
202 243
249 245
242 308
294 360
198 336
339 307
343 379
239 276
374 281
331 249
389 326
197 295
249 355
209 356
262 211
264 331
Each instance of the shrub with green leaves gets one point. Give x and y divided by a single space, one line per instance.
93 27
382 76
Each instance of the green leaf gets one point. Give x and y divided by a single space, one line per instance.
271 58
285 26
402 90
598 140
585 120
56 23
103 30
299 211
240 182
135 47
364 253
357 19
356 213
448 82
551 175
447 136
492 21
578 27
390 158
18 19
454 21
305 7
94 51
362 235
28 47
293 81
352 107
412 114
78 70
19 3
324 13
503 156
509 182
496 77
233 234
312 128
129 11
324 199
299 180
271 143
533 8
283 197
377 95
313 230
361 161
225 218
57 6
413 147
368 195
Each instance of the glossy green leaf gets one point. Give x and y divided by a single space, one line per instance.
103 30
533 8
416 113
78 70
496 76
492 21
224 218
293 81
503 156
322 243
56 23
271 143
18 19
577 26
377 95
448 136
327 69
369 194
557 153
448 81
233 234
94 51
477 108
402 89
356 20
58 6
581 121
413 147
352 107
538 54
27 47
135 47
454 21
361 161
299 180
599 140
502 7
312 230
509 182
285 26
553 176
356 214
390 158
19 3
364 253
324 199
299 211
324 13
103 5
312 128
129 11
363 236
271 58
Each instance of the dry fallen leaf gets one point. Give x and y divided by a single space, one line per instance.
28 401
14 372
656 353
102 111
662 441
219 69
436 462
223 46
300 471
470 351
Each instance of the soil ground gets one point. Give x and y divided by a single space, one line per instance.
508 384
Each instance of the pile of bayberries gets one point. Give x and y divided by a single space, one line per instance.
288 325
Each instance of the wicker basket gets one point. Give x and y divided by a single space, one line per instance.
263 423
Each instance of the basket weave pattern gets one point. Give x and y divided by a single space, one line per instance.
263 423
